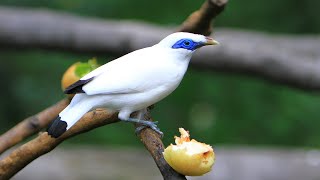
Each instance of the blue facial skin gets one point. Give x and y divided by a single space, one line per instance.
188 44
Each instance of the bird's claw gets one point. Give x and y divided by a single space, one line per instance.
139 129
152 125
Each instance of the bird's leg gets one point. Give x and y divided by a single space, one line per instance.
141 115
152 125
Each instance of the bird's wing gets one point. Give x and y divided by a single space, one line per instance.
132 73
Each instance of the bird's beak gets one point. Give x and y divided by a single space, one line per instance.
210 41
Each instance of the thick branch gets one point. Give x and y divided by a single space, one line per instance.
31 125
290 60
26 153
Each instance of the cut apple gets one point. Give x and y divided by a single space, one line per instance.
189 157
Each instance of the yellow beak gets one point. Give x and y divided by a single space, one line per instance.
210 41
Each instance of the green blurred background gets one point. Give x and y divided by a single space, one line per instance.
218 108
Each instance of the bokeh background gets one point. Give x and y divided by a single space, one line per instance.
218 108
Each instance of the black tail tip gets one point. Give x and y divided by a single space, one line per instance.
57 127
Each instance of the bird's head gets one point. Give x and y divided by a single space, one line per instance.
186 42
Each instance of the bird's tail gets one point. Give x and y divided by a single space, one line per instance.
67 118
57 127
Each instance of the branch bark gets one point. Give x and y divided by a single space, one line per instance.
286 59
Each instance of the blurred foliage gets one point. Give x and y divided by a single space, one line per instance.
217 108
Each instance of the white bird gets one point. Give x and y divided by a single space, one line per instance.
131 82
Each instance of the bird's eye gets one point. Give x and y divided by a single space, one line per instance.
187 43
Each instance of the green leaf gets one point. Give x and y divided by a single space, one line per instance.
84 68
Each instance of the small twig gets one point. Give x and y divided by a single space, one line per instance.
44 143
30 125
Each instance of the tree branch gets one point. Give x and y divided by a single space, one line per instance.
31 125
200 22
289 60
152 142
44 143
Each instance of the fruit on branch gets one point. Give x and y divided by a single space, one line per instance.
189 157
76 71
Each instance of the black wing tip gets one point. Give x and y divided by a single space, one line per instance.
73 90
77 86
57 127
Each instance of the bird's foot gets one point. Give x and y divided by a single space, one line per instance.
152 125
157 130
